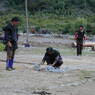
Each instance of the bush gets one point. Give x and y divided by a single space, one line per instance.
2 47
58 24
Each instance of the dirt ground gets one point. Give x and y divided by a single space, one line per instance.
78 77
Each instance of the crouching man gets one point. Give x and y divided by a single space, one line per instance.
52 58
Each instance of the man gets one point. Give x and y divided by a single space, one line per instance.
79 37
10 40
52 57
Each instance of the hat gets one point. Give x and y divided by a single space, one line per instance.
15 19
81 26
49 49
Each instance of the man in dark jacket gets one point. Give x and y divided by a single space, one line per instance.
10 40
52 57
79 37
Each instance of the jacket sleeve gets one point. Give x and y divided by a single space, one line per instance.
7 34
44 58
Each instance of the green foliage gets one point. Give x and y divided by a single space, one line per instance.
58 24
15 4
65 24
59 7
6 18
2 46
61 16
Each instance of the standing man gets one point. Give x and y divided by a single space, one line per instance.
79 37
52 57
10 39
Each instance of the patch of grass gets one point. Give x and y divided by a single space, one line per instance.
86 74
73 51
92 53
39 51
67 51
63 51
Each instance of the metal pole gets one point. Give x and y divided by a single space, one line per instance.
27 23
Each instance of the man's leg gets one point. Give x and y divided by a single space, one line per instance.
12 60
78 49
58 64
8 61
81 48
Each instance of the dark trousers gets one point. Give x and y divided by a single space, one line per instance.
10 52
58 64
79 47
10 57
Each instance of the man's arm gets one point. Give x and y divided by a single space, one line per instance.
54 62
56 59
7 36
44 59
75 35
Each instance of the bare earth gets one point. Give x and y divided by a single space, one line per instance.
78 77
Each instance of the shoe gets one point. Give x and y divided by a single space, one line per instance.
8 69
12 68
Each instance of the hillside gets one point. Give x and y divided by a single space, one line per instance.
57 15
59 7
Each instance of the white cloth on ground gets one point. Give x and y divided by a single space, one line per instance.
52 69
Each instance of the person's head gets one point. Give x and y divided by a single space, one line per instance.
49 50
81 27
15 21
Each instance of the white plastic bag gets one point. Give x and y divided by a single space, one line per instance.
37 67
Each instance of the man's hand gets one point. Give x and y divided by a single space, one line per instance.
42 63
76 36
54 63
9 44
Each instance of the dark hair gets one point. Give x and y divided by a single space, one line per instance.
49 49
81 26
15 19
